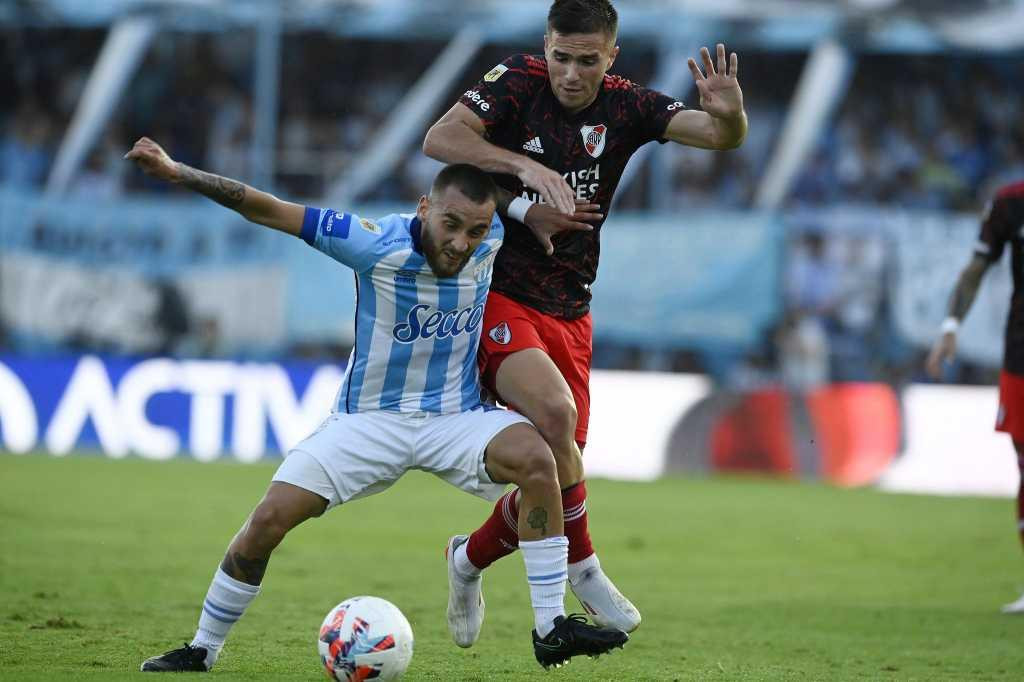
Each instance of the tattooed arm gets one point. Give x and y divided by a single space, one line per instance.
959 303
254 205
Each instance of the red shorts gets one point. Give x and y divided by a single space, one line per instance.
510 326
1011 405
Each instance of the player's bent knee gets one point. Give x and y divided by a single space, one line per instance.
517 451
268 524
556 418
538 460
535 466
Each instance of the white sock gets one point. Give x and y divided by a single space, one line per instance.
577 569
226 601
463 566
546 572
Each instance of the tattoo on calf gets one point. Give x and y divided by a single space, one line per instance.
222 190
538 518
241 568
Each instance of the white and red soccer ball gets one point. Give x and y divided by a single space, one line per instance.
365 638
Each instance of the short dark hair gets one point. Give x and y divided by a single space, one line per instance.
470 180
583 16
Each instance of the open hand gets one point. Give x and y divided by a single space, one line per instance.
720 94
943 351
545 221
152 159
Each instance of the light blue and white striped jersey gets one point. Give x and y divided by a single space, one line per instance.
416 334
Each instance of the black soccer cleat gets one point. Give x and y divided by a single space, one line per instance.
186 659
573 636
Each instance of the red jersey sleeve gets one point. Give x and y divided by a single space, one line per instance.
997 224
500 93
653 110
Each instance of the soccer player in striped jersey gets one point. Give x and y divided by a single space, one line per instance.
410 398
1001 228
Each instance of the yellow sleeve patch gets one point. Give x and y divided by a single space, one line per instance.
495 73
369 226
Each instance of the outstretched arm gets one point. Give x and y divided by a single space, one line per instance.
959 303
254 205
458 137
723 122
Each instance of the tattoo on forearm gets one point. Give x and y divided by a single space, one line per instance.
224 191
538 518
241 568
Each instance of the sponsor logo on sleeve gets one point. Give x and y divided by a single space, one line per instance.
501 334
593 139
676 105
495 73
476 98
369 226
336 224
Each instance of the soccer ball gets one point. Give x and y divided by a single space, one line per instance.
365 638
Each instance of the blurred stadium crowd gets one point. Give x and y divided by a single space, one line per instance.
937 133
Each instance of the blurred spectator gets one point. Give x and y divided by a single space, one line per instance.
171 317
802 352
812 291
859 310
26 148
937 133
101 176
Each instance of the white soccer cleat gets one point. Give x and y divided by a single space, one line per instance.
465 600
603 601
1014 606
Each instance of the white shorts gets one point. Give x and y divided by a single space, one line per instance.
355 455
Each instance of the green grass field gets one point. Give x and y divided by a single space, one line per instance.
104 563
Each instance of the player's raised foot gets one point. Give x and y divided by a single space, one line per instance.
602 600
465 599
186 659
574 636
1014 606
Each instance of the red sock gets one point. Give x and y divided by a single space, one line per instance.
574 506
499 536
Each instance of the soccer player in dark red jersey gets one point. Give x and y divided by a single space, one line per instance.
556 129
1001 226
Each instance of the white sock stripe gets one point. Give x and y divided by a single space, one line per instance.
506 511
573 517
581 505
578 510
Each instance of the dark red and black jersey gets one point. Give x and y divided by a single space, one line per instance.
1002 225
590 148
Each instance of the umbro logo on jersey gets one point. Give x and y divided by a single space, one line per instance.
501 334
534 146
